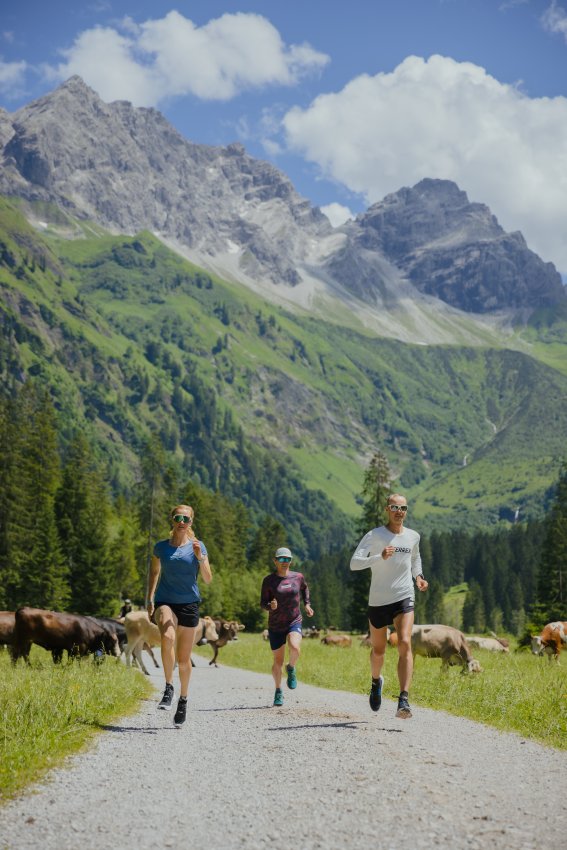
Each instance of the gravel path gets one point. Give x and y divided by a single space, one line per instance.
321 772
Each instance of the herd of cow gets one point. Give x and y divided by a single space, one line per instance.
453 647
80 635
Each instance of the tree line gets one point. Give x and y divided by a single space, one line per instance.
68 542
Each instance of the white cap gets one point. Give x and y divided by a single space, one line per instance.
282 552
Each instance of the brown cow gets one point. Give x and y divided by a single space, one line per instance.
227 631
337 640
552 639
7 624
445 642
57 631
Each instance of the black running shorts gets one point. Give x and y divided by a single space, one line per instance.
383 615
187 613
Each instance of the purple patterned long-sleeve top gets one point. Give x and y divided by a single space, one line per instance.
288 590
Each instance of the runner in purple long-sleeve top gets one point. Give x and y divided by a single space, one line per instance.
281 594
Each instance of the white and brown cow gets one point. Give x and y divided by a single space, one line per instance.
551 640
489 643
227 631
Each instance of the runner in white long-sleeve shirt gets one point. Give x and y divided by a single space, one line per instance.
392 553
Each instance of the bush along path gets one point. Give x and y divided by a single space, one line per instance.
323 771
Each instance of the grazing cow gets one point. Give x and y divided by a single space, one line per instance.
115 626
57 631
445 642
7 623
489 643
227 631
337 640
142 633
537 645
553 638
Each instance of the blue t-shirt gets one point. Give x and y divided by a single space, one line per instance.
179 571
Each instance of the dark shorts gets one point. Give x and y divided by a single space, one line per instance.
383 615
187 613
277 639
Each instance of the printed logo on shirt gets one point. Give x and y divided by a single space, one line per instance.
403 549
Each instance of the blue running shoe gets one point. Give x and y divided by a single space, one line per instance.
278 697
291 677
375 698
404 710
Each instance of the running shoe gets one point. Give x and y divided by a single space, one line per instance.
278 697
291 677
181 713
167 698
404 710
375 698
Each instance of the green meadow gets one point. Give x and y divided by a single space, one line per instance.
50 711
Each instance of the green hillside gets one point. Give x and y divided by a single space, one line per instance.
132 340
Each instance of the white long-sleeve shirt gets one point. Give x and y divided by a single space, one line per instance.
391 578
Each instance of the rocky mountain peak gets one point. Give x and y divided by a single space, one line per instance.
456 250
128 169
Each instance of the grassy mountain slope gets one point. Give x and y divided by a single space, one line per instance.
131 337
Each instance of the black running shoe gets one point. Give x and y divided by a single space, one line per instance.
181 713
167 698
404 710
375 698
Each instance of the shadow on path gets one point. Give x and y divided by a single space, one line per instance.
349 724
145 730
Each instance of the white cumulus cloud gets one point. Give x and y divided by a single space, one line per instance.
337 213
149 62
446 119
554 19
11 75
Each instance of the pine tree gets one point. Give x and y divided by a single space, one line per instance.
434 602
123 549
473 609
157 493
375 492
552 577
270 536
83 512
31 565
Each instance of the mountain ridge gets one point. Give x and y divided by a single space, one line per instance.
133 340
128 169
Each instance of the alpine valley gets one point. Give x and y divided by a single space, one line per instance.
159 286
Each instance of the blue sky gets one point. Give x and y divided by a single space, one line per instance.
351 99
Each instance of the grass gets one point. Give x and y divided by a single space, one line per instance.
516 692
48 712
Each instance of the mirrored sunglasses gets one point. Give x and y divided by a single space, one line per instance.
182 518
283 560
402 508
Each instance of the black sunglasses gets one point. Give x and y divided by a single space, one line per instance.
283 560
402 508
182 518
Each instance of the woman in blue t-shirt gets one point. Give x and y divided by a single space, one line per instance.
173 596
